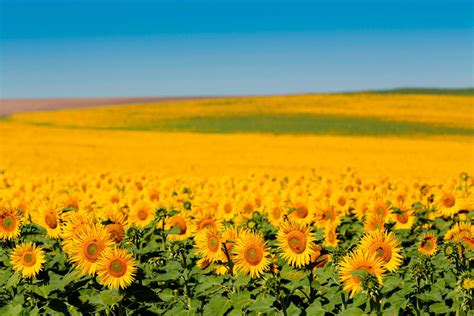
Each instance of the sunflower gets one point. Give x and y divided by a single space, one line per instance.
141 214
380 209
404 219
327 215
27 259
206 220
251 255
247 206
342 201
461 232
301 211
75 223
49 217
203 263
182 224
209 244
229 236
385 246
356 262
10 223
116 268
275 213
428 244
88 246
330 236
361 208
226 209
296 243
449 203
373 223
116 232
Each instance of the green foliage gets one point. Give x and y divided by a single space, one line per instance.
169 282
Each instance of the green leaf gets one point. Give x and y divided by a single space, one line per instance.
59 282
293 310
398 301
11 310
218 305
264 305
354 311
167 295
241 281
110 297
168 275
42 291
315 309
359 300
439 308
240 301
13 281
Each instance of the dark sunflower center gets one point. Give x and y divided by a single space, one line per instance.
449 201
142 215
297 241
380 211
29 259
248 208
383 251
92 250
228 208
253 255
402 218
117 268
427 244
301 211
116 232
213 243
180 224
276 212
50 220
8 222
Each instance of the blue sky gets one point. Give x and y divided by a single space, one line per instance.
74 48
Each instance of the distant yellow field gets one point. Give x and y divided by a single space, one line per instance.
110 138
443 110
38 149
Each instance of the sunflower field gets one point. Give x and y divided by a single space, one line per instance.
119 244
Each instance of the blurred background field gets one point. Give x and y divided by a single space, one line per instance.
414 134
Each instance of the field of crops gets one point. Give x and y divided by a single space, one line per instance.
301 205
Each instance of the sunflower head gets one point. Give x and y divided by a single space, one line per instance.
49 217
27 259
354 266
330 236
182 226
385 246
209 244
88 246
116 232
10 223
251 255
116 268
373 223
141 214
296 243
428 244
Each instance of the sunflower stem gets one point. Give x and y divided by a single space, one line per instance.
311 289
344 302
230 264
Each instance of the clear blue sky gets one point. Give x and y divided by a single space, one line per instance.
80 48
